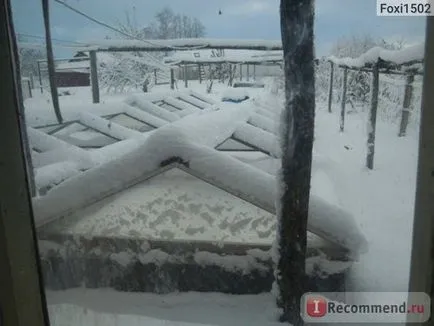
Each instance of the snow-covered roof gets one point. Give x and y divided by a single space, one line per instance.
173 147
406 56
189 137
179 44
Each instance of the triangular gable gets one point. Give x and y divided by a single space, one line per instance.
235 177
173 204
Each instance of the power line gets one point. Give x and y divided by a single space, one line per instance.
104 25
119 31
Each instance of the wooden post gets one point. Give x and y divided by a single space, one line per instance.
29 84
200 73
155 76
344 99
172 78
94 76
40 77
422 256
241 72
32 81
248 72
297 143
185 76
50 61
406 105
372 118
254 72
332 68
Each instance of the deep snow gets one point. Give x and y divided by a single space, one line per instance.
381 201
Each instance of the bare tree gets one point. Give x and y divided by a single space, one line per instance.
29 60
297 135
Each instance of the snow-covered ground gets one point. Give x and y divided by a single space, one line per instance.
381 200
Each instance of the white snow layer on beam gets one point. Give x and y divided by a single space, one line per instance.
185 43
53 174
163 144
325 220
44 142
408 54
108 127
259 138
203 97
212 128
263 122
266 113
143 104
194 101
145 117
38 117
181 105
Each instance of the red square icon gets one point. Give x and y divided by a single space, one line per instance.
316 306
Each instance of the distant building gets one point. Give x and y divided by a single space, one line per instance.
75 72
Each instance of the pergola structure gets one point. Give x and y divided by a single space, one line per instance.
406 62
234 58
170 46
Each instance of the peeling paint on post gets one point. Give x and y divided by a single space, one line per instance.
330 100
298 116
344 100
372 122
406 106
94 77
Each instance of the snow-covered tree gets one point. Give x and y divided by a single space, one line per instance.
29 60
134 70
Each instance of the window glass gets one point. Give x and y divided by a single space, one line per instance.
158 191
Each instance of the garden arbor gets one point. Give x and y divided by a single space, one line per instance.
407 62
170 46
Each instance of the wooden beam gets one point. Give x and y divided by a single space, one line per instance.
172 78
22 299
372 119
94 76
50 61
297 20
408 95
180 45
343 100
185 77
330 99
40 77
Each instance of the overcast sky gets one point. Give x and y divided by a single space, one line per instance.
247 19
